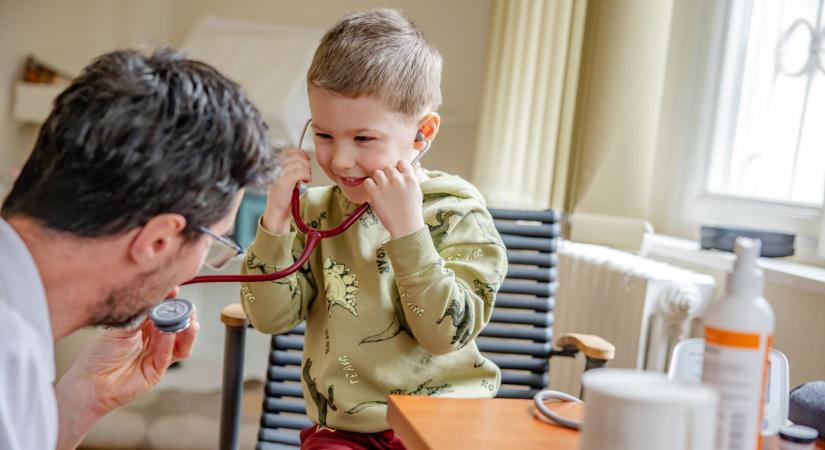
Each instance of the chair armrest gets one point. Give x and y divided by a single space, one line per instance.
233 315
592 346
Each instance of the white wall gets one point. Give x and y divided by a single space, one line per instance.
73 32
70 33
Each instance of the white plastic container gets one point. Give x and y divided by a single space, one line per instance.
738 333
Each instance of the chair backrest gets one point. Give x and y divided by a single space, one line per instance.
518 338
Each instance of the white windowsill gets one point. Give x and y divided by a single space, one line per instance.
809 278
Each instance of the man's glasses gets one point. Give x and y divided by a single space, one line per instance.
221 251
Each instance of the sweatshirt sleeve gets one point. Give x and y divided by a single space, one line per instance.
276 306
448 291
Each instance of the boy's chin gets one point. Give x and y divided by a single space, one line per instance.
354 195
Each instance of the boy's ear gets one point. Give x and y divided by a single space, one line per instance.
428 126
159 239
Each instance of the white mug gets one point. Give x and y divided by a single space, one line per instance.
634 410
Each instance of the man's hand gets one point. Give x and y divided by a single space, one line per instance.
395 196
295 167
116 369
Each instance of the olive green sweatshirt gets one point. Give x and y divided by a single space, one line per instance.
384 316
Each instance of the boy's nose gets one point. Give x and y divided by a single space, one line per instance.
343 158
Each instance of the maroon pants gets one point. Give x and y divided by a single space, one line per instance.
314 438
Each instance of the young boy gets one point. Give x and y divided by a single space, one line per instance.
392 305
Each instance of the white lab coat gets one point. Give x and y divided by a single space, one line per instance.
28 408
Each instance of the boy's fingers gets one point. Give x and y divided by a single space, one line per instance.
404 166
392 173
379 176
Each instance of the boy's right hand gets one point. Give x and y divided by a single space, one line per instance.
295 168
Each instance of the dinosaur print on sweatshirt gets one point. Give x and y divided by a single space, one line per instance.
462 317
341 287
442 224
321 402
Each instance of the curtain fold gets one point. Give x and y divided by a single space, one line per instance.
529 99
620 115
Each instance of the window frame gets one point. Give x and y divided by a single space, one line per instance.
699 205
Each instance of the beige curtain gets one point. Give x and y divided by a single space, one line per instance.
618 120
529 99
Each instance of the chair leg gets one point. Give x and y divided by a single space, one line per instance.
594 363
591 363
232 388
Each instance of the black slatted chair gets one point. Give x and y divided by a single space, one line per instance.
519 337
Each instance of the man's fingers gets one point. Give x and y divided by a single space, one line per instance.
159 349
185 340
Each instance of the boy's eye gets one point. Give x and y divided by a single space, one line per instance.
364 138
323 136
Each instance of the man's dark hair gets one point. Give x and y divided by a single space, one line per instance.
135 136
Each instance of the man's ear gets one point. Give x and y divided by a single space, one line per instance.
428 126
157 240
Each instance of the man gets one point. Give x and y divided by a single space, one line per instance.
139 167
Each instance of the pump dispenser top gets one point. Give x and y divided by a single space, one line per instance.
746 278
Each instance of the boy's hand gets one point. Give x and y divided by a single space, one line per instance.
295 167
395 196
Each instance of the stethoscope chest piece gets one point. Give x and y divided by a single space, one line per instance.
172 316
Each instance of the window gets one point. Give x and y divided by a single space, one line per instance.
762 141
769 139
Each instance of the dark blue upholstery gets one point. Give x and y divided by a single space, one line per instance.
519 337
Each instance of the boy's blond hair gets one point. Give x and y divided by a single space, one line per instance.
382 54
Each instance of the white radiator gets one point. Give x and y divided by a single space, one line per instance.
640 305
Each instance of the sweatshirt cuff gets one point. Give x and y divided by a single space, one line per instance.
271 248
412 253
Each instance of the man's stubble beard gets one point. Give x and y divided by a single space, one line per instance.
125 306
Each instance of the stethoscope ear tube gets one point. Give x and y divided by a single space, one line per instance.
542 396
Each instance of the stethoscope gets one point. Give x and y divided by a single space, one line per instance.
173 315
313 236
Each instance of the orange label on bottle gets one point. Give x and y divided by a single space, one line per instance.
731 360
729 338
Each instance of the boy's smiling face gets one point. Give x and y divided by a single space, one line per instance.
354 137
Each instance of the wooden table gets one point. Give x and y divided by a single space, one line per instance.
430 423
436 423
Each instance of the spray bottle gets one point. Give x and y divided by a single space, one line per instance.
738 333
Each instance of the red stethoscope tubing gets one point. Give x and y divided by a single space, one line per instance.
313 238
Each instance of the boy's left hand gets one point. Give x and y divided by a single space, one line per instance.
395 196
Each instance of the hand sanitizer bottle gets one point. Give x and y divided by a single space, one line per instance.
738 333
